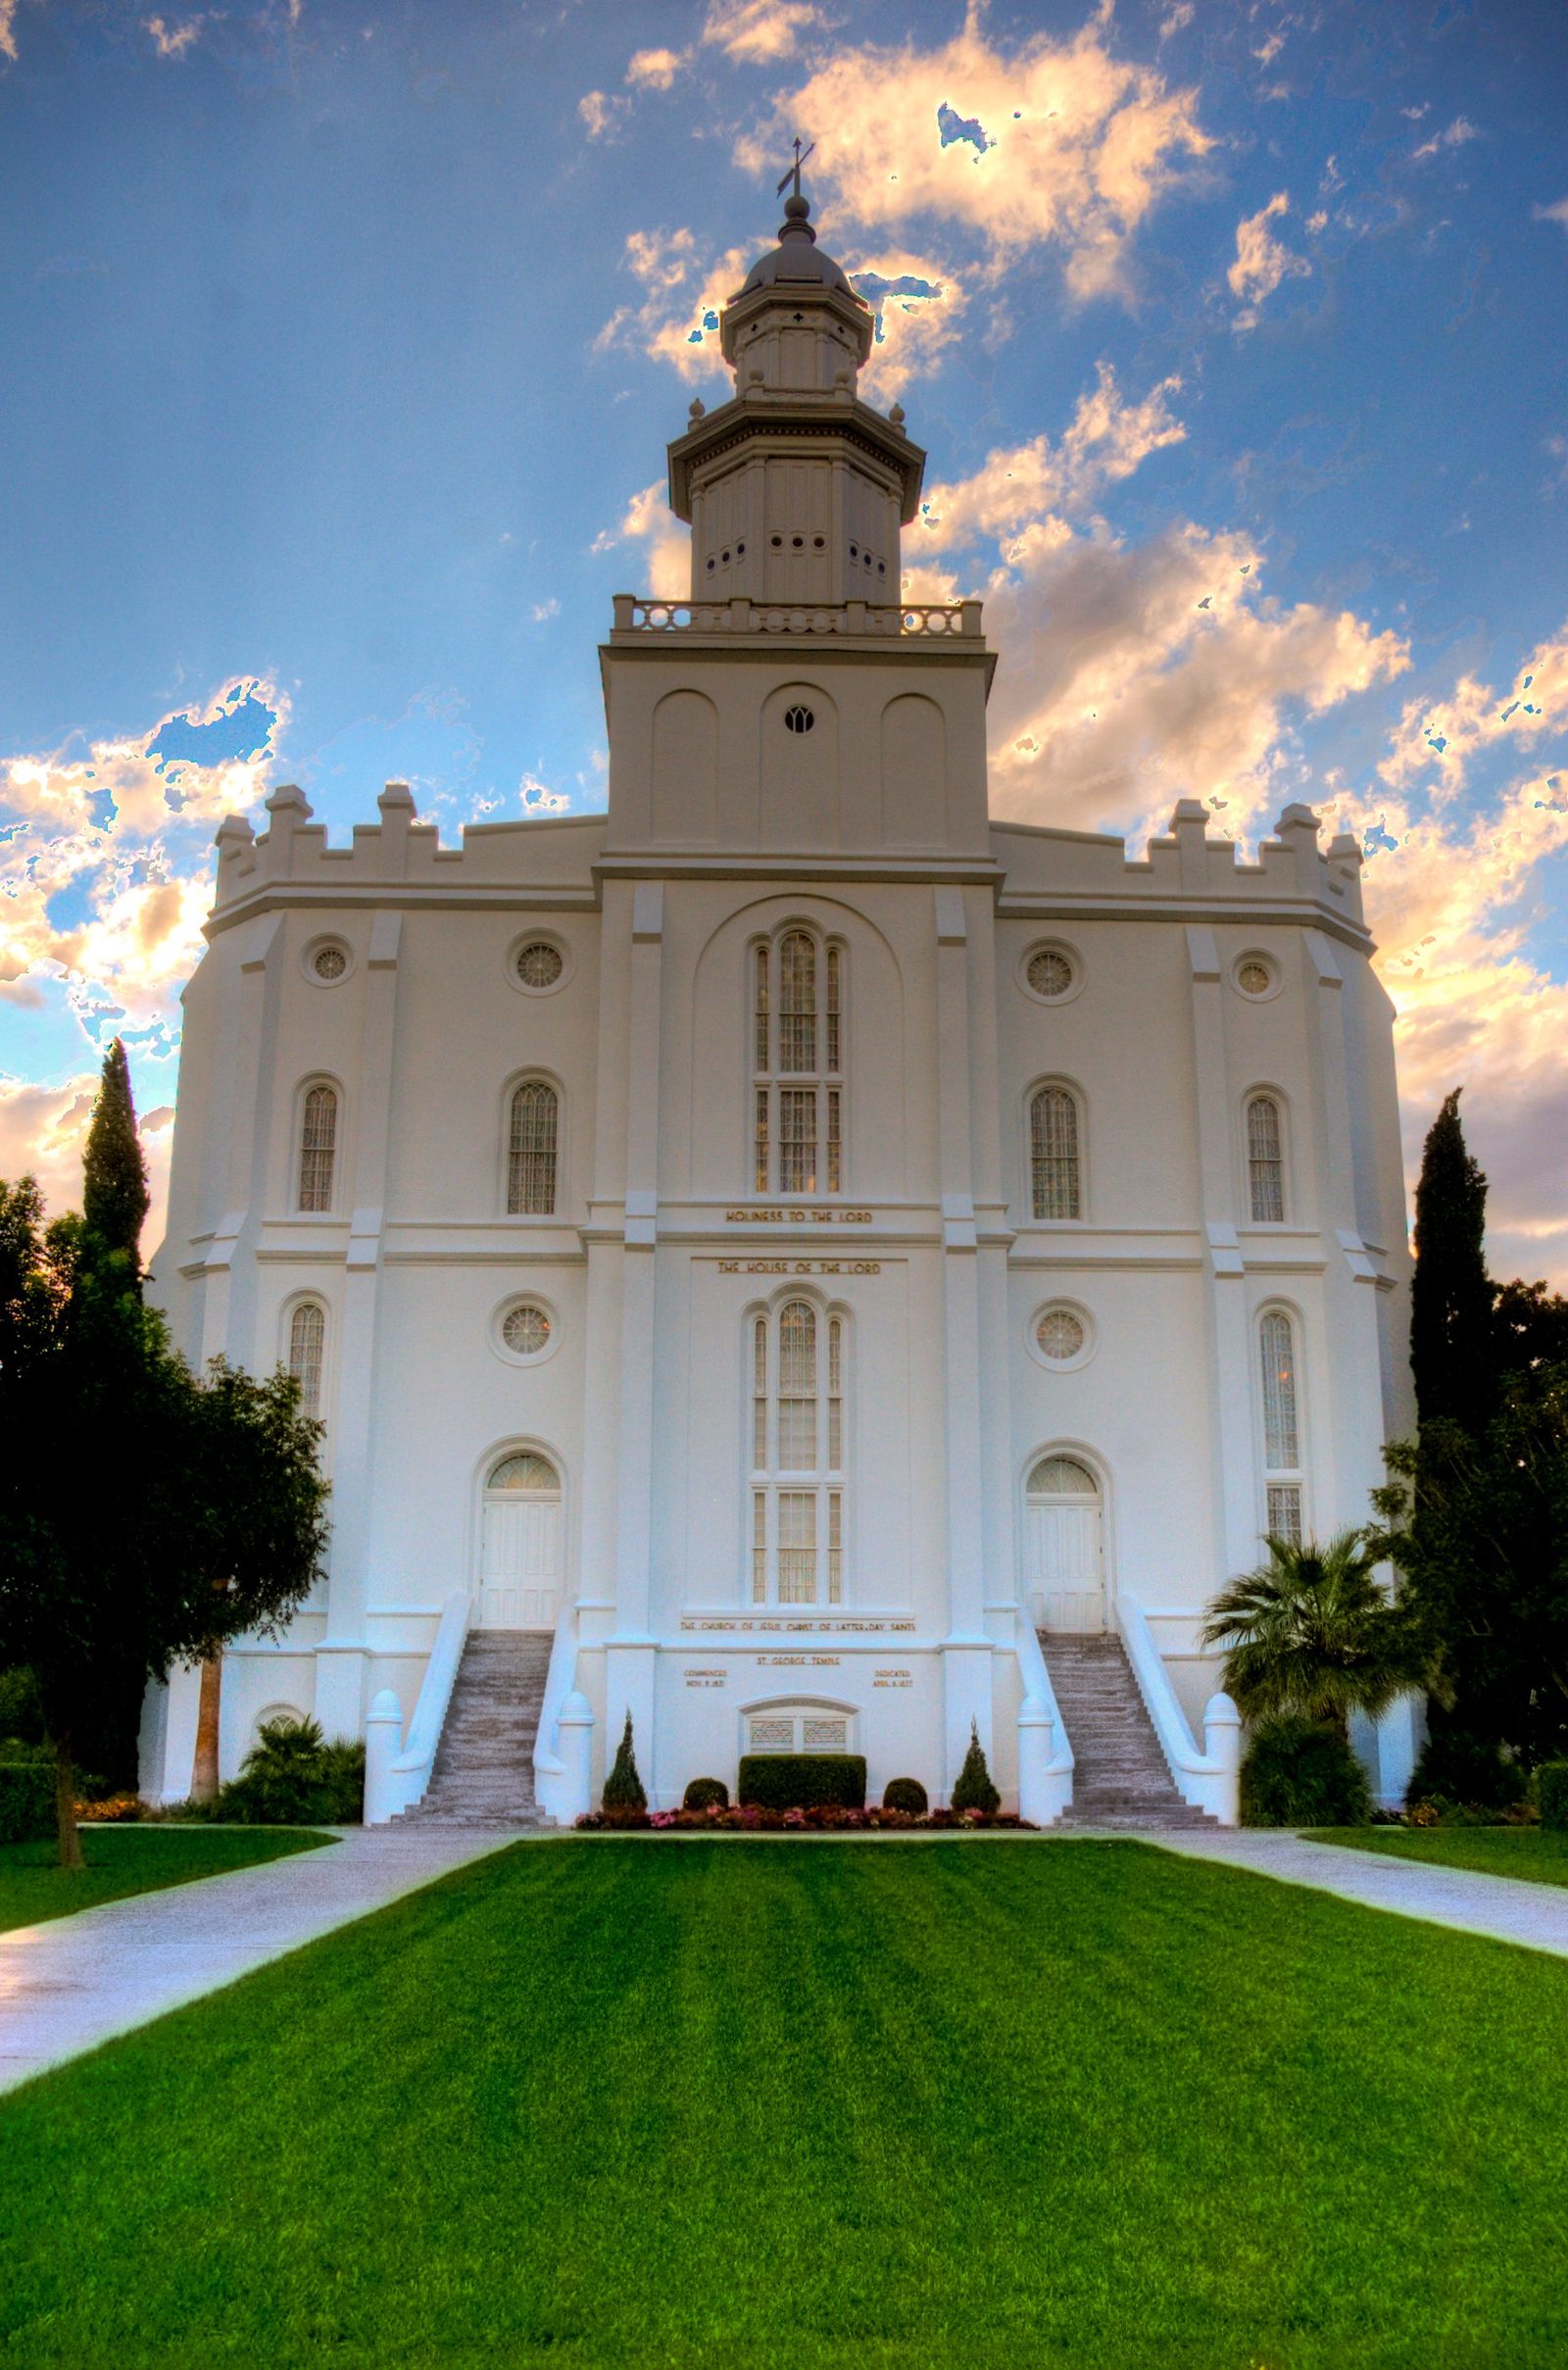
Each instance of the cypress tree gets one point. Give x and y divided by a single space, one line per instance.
1451 1329
623 1788
115 1196
974 1790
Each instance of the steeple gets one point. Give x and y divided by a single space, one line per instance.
796 489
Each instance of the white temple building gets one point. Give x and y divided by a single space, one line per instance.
791 1258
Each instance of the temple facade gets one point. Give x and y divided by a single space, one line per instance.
791 1255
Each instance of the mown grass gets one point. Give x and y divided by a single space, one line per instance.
1078 2104
1538 1856
131 1859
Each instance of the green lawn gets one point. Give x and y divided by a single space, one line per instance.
1528 1852
755 2105
131 1859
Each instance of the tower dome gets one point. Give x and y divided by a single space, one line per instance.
797 257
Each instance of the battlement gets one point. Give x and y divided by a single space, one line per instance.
1183 866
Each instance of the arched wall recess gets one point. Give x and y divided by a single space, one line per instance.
914 772
800 769
685 778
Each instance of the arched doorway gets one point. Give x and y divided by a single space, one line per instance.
1064 1549
520 1544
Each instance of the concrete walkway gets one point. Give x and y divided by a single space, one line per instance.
73 1982
1503 1908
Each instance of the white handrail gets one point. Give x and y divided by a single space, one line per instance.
410 1772
1207 1779
549 1769
1045 1749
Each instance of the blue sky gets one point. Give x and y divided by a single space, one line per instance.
343 344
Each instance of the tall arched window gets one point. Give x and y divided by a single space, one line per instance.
317 1148
797 1449
1054 1166
306 1347
1265 1161
1282 1435
797 1065
531 1150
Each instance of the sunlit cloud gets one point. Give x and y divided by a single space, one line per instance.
1455 137
171 39
655 68
602 113
1056 143
758 33
1437 737
1550 213
8 29
668 545
1261 260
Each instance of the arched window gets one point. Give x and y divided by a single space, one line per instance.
797 1448
1265 1161
797 1065
1054 1168
531 1150
306 1347
317 1148
1282 1437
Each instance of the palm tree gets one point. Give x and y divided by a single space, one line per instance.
1311 1632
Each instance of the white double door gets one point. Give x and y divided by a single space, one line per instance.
519 1561
1065 1558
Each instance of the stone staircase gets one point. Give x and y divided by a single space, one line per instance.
1120 1775
484 1773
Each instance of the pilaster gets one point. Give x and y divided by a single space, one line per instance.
1235 1495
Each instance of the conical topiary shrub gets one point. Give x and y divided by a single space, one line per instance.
974 1790
623 1788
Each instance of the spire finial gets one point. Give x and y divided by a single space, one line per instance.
794 173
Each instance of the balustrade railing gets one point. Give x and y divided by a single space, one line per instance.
933 621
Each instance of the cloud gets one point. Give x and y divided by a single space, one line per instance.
1261 260
1053 143
173 40
1178 20
43 1134
539 611
8 29
1105 441
1437 737
1458 133
539 799
655 69
676 320
919 307
758 33
602 114
648 519
1540 214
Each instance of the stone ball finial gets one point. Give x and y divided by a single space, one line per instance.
697 409
896 414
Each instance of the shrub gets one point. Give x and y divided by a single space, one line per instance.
1457 1766
27 1802
292 1777
974 1790
1551 1795
705 1794
623 1788
800 1781
906 1794
1297 1773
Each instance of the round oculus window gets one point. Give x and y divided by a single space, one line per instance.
330 962
539 963
1253 976
799 720
1049 973
1062 1337
526 1329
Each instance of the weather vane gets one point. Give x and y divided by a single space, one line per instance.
794 173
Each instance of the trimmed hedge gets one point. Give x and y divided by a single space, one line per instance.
800 1781
1300 1774
906 1794
1551 1795
705 1794
27 1802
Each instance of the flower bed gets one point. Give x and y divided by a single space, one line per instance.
749 1819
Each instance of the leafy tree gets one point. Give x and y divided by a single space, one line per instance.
974 1790
1530 1328
623 1788
145 1516
115 1199
1313 1633
1451 1324
1478 1530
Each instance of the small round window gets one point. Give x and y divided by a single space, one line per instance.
1255 976
1062 1336
526 1329
539 963
330 962
1050 973
799 720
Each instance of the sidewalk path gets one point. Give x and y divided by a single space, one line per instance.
1505 1907
73 1982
